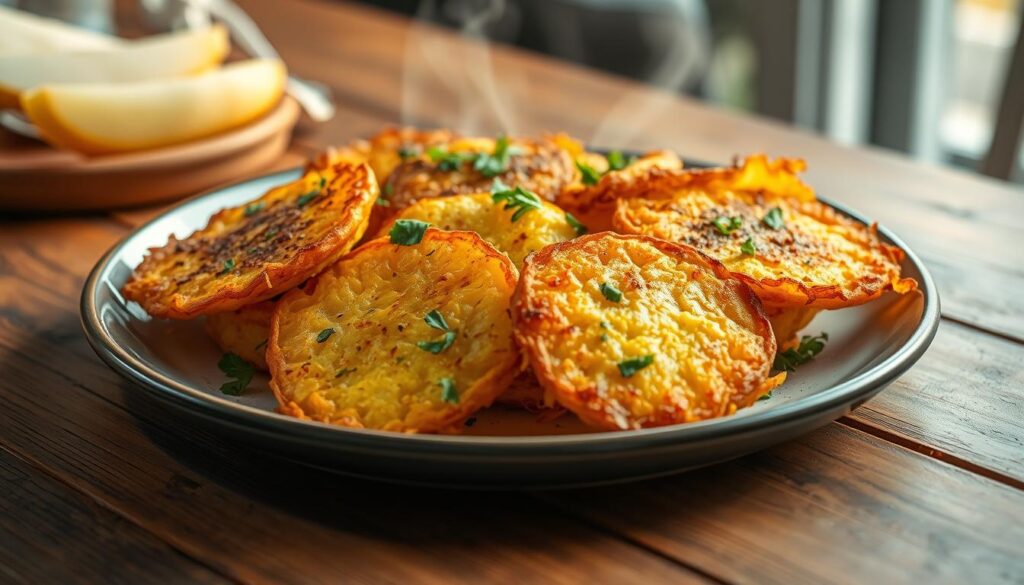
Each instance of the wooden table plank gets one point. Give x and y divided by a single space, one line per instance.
836 507
53 534
963 402
963 225
250 518
198 492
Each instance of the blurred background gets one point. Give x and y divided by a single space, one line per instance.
940 80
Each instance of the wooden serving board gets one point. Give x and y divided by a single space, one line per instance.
36 177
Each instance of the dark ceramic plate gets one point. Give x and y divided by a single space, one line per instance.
175 363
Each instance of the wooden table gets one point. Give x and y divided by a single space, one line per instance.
925 483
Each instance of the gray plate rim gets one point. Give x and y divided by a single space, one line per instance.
851 391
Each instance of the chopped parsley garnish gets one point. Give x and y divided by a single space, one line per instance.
448 392
448 161
439 345
611 292
605 325
382 202
617 162
307 197
590 175
773 218
436 320
631 366
451 162
253 208
237 368
408 232
492 165
575 224
407 151
388 189
270 233
748 247
727 225
809 347
344 371
229 265
518 198
764 396
324 335
604 337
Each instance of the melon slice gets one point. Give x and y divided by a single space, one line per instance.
104 118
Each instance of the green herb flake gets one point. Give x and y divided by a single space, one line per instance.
240 370
448 392
590 175
617 161
518 198
748 247
270 233
764 396
408 232
611 292
604 337
808 348
773 218
575 224
631 366
492 165
436 320
605 325
344 372
382 202
229 265
727 225
306 198
436 153
261 345
470 421
253 208
324 335
439 345
407 151
389 189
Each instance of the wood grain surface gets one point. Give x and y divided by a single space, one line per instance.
924 483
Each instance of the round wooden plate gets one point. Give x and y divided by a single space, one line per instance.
35 177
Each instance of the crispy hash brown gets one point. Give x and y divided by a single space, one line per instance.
630 332
386 150
243 332
255 251
410 338
547 224
594 203
793 253
470 165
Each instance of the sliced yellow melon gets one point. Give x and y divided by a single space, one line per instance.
157 57
104 118
23 33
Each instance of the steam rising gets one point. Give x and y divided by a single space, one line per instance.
455 74
449 79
